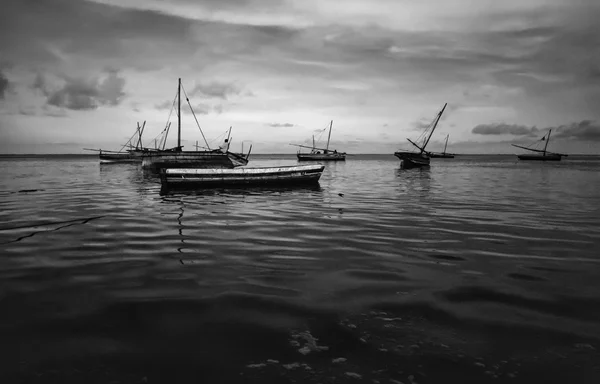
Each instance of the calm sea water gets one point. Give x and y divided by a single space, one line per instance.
479 269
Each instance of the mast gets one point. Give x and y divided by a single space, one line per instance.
139 130
433 129
329 137
228 139
547 140
446 145
179 115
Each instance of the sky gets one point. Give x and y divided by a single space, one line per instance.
80 74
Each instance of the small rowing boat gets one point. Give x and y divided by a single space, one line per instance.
223 177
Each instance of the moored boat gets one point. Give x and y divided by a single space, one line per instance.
240 177
442 155
178 158
540 154
119 157
131 155
412 159
320 154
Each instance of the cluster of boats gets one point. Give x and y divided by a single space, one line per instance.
222 167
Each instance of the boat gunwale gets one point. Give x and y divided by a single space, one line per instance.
244 171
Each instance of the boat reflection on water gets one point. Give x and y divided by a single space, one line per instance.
414 180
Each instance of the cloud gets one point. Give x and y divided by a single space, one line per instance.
167 104
216 89
504 129
281 125
421 124
81 93
29 110
203 109
585 130
3 85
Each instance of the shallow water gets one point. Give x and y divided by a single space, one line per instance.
478 269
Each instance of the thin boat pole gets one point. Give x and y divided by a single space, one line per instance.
139 143
445 146
141 133
228 137
329 137
547 140
313 141
179 115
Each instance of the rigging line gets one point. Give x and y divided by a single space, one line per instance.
194 114
127 142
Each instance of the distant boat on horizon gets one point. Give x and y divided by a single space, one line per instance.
316 154
442 155
540 155
421 158
177 158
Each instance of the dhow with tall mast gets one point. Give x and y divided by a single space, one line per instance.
133 154
444 154
320 154
178 158
540 154
412 159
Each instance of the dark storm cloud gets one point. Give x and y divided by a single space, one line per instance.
585 130
504 129
50 31
82 93
43 33
281 125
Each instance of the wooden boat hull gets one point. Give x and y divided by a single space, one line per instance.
321 157
120 157
241 177
441 156
412 159
552 157
192 159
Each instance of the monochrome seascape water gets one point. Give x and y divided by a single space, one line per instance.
478 269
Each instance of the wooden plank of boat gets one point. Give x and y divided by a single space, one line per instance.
301 174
